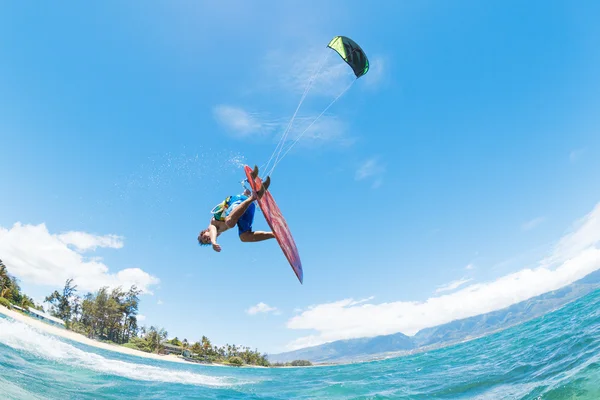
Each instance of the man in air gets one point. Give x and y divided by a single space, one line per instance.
235 210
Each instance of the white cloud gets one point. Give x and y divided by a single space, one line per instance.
83 241
261 308
377 73
584 234
470 267
316 67
308 129
241 122
311 131
159 302
38 257
371 169
141 318
529 225
452 285
574 256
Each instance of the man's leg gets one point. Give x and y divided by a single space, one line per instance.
257 236
245 228
232 219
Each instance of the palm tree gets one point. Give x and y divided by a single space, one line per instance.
155 338
5 281
196 348
205 344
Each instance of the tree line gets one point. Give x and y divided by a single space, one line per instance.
111 315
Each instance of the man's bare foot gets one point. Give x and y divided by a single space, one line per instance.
263 188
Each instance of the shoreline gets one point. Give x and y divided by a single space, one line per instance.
79 338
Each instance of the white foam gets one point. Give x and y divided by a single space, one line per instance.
22 337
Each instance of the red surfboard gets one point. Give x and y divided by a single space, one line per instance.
277 223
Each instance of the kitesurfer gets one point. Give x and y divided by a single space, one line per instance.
235 210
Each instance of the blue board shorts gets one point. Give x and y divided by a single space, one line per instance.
245 222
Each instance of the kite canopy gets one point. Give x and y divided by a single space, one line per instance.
350 52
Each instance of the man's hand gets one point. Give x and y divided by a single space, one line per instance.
216 247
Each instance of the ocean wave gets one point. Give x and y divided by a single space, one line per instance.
24 338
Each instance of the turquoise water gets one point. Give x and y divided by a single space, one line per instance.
553 357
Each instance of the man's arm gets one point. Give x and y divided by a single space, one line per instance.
212 231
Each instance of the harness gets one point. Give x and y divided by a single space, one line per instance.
218 210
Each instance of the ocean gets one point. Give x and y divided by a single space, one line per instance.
556 356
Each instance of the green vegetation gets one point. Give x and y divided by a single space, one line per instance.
105 315
295 363
229 354
4 302
10 291
237 361
63 305
111 316
301 363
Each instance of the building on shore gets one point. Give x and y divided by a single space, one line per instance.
42 316
168 348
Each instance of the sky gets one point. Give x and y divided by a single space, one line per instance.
457 177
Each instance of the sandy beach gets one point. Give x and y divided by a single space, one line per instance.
53 330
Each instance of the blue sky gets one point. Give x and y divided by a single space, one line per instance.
460 162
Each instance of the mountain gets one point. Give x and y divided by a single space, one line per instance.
374 347
347 349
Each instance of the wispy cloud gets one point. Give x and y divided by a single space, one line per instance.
140 318
242 123
452 285
470 267
38 257
321 69
159 302
584 236
377 75
317 68
575 155
305 130
371 169
327 129
532 224
574 256
262 308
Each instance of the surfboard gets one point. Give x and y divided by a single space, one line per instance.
277 223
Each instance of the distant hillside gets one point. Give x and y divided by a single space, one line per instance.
351 348
368 348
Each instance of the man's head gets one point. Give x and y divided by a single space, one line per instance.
204 238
